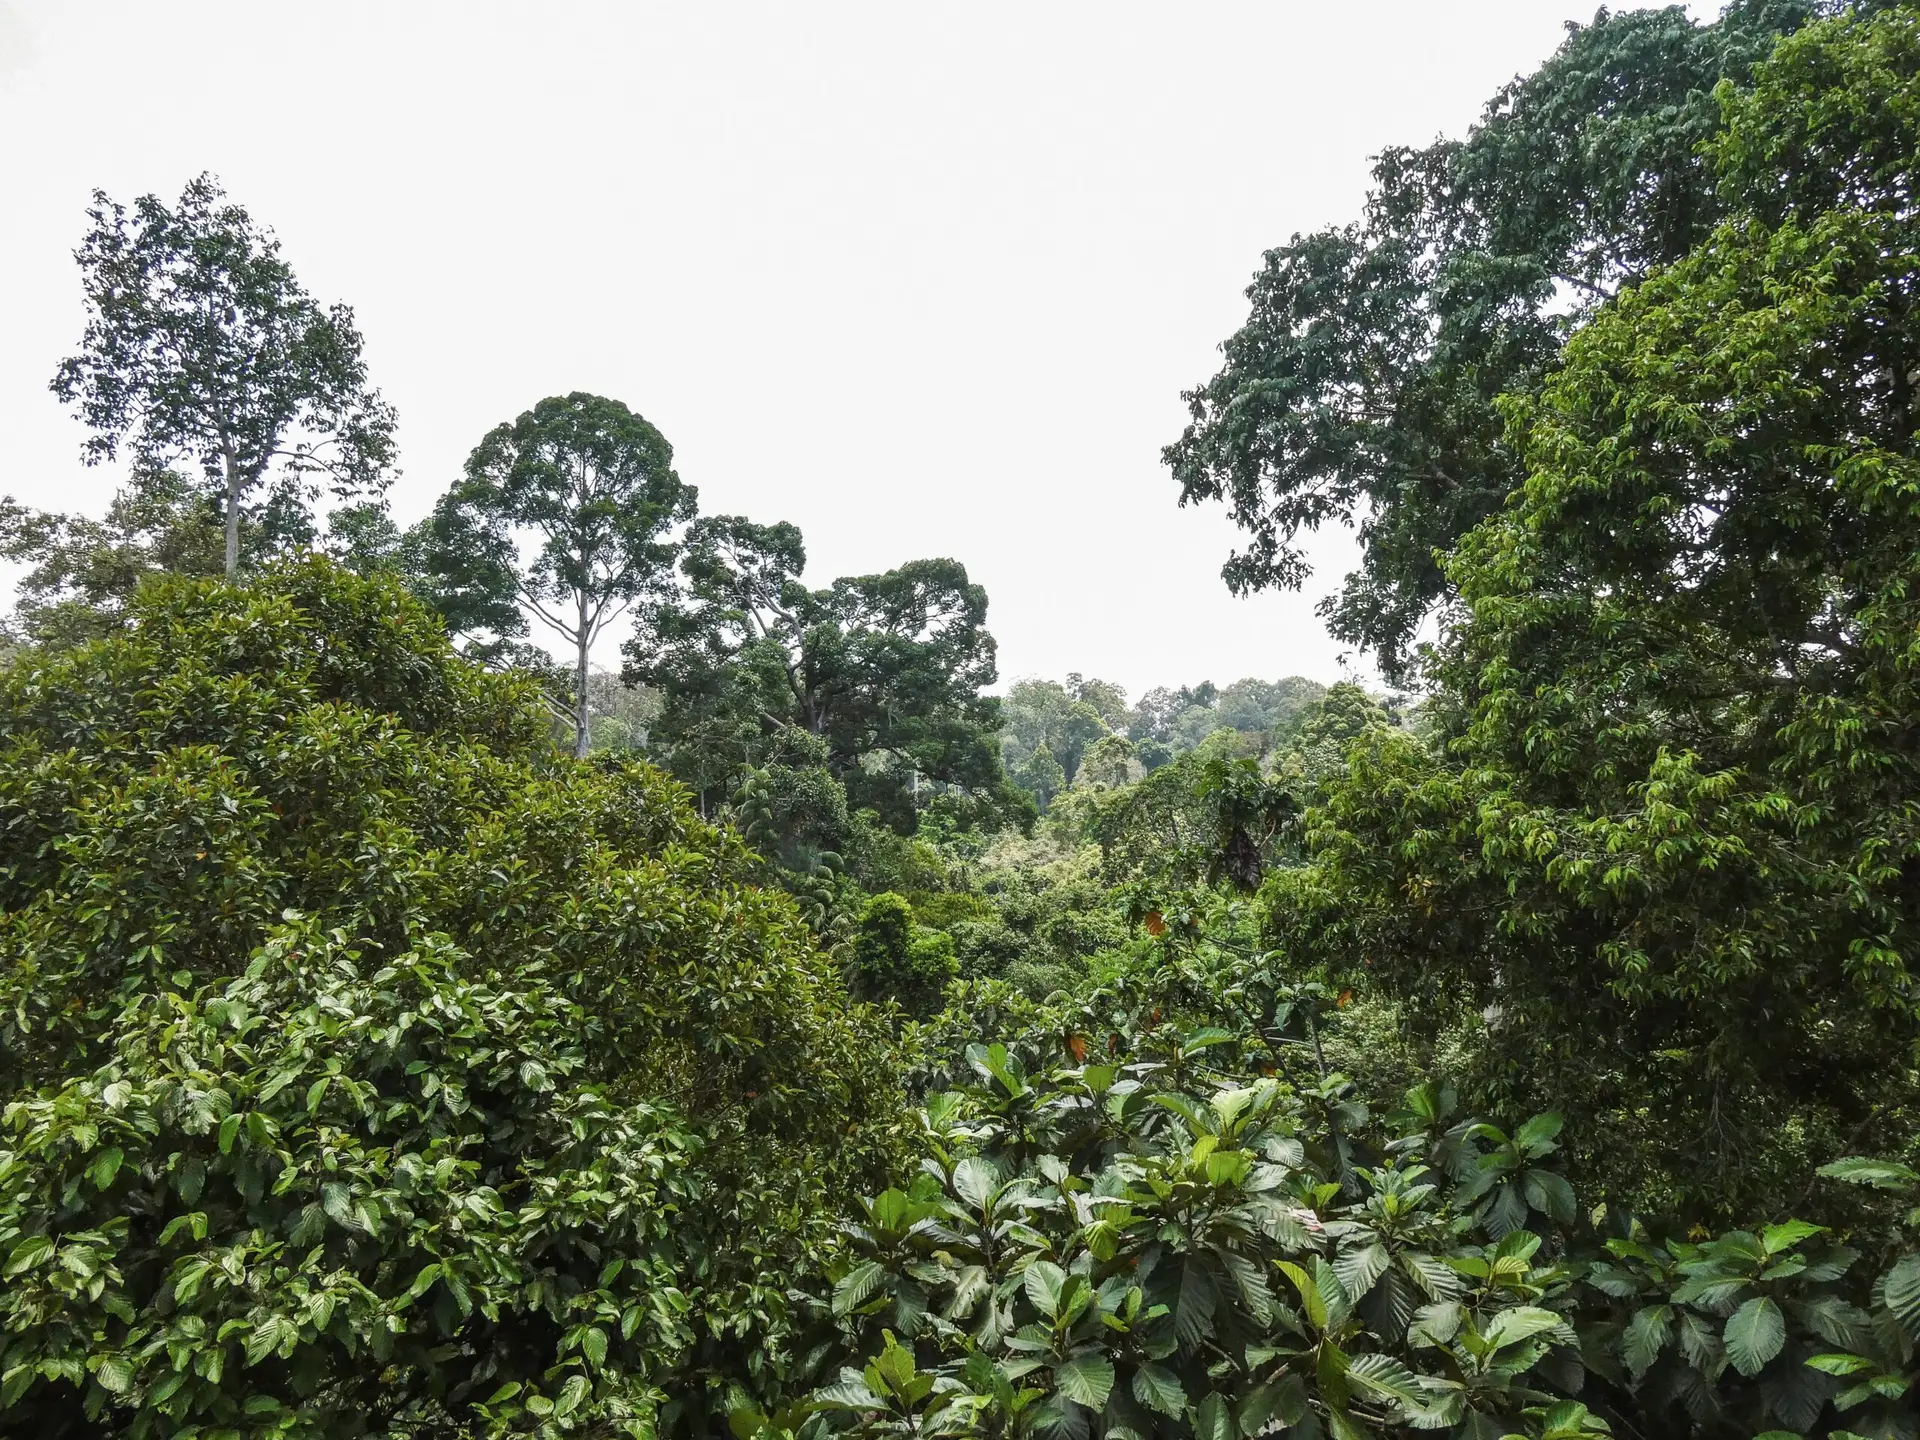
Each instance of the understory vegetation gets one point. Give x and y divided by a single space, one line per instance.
404 1033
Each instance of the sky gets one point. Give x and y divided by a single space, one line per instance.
922 279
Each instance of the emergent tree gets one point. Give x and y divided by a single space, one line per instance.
201 348
590 487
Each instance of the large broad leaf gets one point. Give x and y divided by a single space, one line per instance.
856 1287
1158 1388
1646 1336
1359 1268
1249 1280
1551 1195
1755 1333
1272 1403
1438 1280
975 1180
1537 1135
1045 1280
1316 1308
1213 1419
1785 1236
1193 1310
1901 1291
1200 1119
1333 1295
1522 1322
1882 1174
1086 1379
1386 1377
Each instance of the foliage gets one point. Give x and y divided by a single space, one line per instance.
1172 1239
1047 727
202 348
368 1067
1362 385
1257 710
84 571
592 485
886 669
891 958
1210 817
1669 847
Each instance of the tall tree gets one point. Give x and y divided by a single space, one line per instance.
887 669
1361 388
1671 846
202 348
589 487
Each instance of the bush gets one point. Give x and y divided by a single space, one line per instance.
894 959
369 1067
1144 1230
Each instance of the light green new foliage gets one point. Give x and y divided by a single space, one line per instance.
369 1068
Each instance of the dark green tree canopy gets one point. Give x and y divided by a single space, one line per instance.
368 1063
588 487
887 669
202 348
1673 832
1361 388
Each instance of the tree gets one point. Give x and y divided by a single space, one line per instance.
887 669
366 1073
1064 719
85 571
202 348
1362 387
591 486
892 958
1667 844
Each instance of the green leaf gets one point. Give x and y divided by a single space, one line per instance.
857 1286
571 1394
229 1128
975 1180
1882 1174
1386 1377
1551 1195
1044 1282
115 1374
1840 1364
106 1165
28 1253
1755 1333
593 1344
1646 1336
1200 1118
1213 1418
1272 1403
1086 1379
1537 1135
1522 1322
1158 1388
1901 1292
1781 1237
1359 1268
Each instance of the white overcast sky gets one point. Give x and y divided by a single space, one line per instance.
923 279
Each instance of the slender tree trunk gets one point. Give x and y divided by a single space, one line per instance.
233 518
580 736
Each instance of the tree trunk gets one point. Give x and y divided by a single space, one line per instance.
580 736
233 519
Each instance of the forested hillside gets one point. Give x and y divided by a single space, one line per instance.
415 1027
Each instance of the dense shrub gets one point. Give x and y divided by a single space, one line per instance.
1157 1213
370 1069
